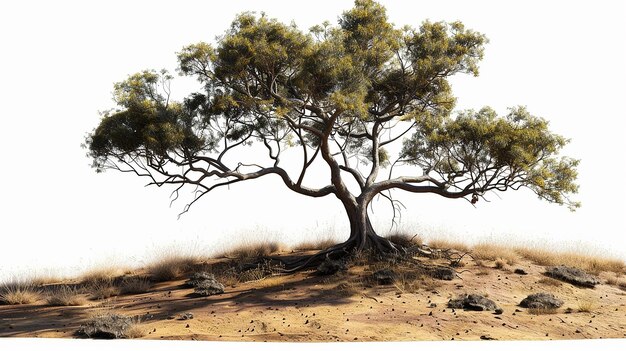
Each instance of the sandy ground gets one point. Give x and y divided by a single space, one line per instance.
307 307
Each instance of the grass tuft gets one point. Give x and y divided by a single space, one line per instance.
586 306
135 285
65 295
19 293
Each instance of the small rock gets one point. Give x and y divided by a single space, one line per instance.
209 288
432 305
473 302
541 300
185 316
520 271
573 276
487 337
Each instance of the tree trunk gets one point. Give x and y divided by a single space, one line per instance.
362 233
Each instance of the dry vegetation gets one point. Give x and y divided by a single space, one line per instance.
135 285
98 275
405 239
246 251
65 295
448 244
492 252
19 293
592 264
617 281
318 244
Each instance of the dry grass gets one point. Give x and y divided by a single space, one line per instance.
98 275
443 244
617 281
549 281
586 306
134 332
405 239
492 252
65 295
500 263
541 311
319 244
19 293
169 267
592 264
135 285
103 290
253 250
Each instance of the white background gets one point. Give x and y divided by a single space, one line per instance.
59 60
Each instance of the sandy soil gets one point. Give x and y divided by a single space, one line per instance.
307 307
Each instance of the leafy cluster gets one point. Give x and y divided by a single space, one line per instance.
342 92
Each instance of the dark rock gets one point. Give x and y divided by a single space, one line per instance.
108 326
329 267
198 277
443 273
208 288
185 316
473 302
541 300
573 276
385 276
519 271
487 337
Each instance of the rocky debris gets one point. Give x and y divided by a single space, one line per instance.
329 267
573 276
108 326
209 287
205 284
384 276
198 277
520 271
487 337
185 316
473 302
541 300
442 273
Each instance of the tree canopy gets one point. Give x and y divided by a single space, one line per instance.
339 95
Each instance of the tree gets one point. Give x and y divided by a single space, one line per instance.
339 95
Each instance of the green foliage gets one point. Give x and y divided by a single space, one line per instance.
495 153
346 85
